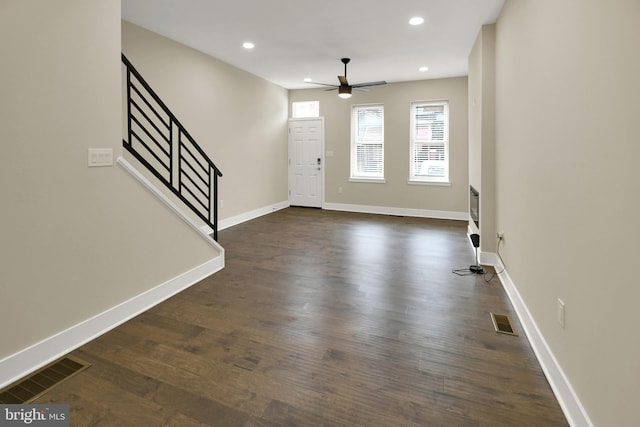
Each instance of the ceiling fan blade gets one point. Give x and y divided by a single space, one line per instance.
332 88
344 89
323 84
382 82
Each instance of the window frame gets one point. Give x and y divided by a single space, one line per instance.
294 110
362 176
415 178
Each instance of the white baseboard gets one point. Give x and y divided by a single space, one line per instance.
567 398
22 363
386 210
247 216
420 213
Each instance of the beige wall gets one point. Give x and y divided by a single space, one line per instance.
76 241
567 172
240 120
396 192
482 133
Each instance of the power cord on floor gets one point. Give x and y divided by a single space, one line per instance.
463 272
473 269
468 272
504 267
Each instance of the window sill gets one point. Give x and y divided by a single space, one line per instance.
436 183
369 180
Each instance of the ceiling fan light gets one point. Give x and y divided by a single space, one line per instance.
344 92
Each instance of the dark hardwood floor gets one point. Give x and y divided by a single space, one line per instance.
320 318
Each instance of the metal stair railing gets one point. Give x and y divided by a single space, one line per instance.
161 143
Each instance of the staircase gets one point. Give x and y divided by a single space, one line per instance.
160 142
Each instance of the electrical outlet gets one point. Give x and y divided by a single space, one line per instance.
561 313
500 235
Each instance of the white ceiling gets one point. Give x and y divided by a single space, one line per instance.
304 38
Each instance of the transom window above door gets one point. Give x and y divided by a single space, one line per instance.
304 109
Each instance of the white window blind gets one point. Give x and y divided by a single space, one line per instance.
429 141
367 142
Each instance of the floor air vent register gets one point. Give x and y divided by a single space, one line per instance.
502 324
35 385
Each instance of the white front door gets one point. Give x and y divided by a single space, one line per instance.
306 162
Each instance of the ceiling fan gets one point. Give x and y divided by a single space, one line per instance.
344 88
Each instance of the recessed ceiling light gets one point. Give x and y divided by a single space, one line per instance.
423 69
416 20
248 45
308 79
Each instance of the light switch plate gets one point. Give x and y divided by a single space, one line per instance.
100 157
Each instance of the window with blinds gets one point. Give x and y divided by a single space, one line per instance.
367 142
429 142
